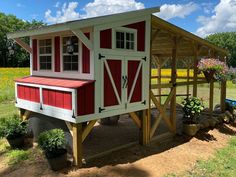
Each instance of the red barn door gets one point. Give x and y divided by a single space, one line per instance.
112 69
135 81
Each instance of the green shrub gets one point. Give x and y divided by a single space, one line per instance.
12 127
52 142
192 107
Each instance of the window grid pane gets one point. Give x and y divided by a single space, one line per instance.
70 62
125 40
45 52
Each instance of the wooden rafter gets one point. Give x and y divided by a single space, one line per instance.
23 45
83 38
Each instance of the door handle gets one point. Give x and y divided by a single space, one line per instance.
126 81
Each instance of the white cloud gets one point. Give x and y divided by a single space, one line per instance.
105 7
92 9
168 11
207 7
57 4
20 5
67 13
223 19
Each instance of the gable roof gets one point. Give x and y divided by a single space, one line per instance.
82 23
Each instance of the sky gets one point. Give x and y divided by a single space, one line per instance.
201 17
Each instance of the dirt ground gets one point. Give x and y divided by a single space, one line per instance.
158 159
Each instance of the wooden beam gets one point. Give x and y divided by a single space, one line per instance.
135 118
173 81
223 92
211 98
154 126
195 69
88 129
26 115
144 138
83 38
23 45
70 127
77 144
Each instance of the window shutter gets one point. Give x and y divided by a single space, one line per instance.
57 54
35 55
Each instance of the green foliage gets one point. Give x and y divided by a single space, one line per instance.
51 141
11 127
192 107
225 40
17 156
9 23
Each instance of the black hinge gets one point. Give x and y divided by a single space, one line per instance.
16 101
41 107
144 58
73 115
100 109
144 102
100 56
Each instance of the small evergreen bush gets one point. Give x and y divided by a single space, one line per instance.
12 127
52 142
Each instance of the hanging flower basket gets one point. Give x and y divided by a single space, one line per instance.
213 68
209 75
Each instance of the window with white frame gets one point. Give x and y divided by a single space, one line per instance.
125 40
70 60
45 54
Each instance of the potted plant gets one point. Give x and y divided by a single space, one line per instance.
52 142
14 130
213 68
192 108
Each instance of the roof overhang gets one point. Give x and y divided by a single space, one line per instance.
83 23
160 23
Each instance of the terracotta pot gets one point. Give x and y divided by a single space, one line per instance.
191 129
17 142
209 75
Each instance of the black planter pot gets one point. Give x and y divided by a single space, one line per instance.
16 142
57 161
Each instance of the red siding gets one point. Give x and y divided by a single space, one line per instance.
140 27
132 71
85 100
35 55
86 57
105 39
109 93
57 54
28 93
60 99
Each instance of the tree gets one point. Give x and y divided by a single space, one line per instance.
226 40
10 23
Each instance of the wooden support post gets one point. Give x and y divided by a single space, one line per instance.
144 137
77 144
223 93
26 115
173 81
211 98
159 79
223 96
196 50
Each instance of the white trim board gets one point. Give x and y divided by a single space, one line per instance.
84 23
